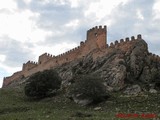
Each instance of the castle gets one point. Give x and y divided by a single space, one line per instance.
96 39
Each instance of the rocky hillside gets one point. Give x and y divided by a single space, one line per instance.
121 66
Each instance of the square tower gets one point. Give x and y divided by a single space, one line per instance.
98 35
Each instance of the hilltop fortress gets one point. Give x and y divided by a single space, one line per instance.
96 39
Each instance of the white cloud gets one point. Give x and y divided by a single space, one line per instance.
156 9
103 8
8 4
73 23
21 26
139 15
74 3
54 50
27 1
2 58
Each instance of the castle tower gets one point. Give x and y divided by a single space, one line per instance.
98 35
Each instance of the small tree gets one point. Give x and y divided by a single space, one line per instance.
88 87
41 84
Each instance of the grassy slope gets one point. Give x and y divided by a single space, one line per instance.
15 106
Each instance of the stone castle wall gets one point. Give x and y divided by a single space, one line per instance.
96 40
122 44
15 76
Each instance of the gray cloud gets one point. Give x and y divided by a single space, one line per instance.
126 22
69 35
53 17
125 19
16 53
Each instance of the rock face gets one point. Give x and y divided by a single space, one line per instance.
130 64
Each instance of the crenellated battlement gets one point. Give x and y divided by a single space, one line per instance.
124 41
96 39
154 57
97 29
29 65
32 62
44 58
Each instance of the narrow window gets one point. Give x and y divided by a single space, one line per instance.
96 34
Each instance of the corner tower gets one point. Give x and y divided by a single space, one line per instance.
98 35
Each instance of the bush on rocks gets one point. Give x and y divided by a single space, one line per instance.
87 89
42 84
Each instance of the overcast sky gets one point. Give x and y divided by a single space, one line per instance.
28 28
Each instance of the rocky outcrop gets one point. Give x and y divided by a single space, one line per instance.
126 63
119 67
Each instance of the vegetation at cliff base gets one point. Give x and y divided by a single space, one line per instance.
88 87
14 105
42 84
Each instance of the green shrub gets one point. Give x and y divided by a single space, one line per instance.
88 87
157 80
42 84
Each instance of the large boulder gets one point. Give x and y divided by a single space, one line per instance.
77 99
152 90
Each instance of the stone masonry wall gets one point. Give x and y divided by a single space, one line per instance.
96 39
